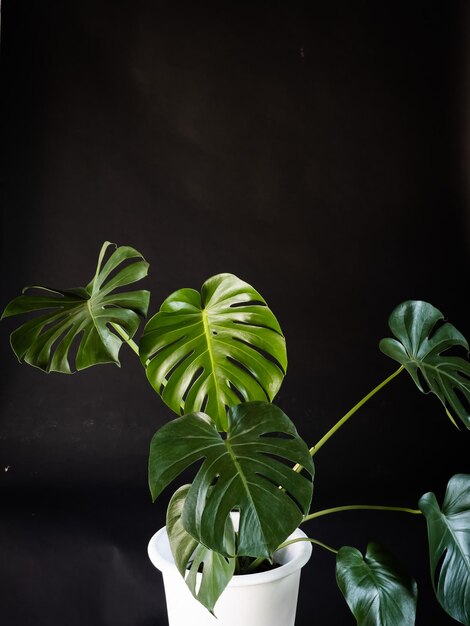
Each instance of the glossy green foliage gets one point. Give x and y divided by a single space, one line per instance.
243 471
211 350
191 556
449 546
377 590
420 346
81 316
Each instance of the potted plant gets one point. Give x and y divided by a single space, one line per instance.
217 358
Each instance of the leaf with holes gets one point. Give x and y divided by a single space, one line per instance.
377 590
83 315
191 556
420 345
246 470
211 350
449 546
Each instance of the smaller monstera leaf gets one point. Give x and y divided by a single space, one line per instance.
420 347
191 556
211 350
249 470
83 314
449 546
377 590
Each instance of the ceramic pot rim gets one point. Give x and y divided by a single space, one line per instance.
292 557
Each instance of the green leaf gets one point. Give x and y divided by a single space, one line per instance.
243 471
190 556
419 347
449 546
82 316
377 590
208 351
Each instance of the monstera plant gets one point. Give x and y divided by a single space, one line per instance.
217 358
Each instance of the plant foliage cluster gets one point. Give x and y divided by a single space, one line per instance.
217 358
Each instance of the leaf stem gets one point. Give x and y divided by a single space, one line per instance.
132 344
254 564
257 562
315 541
367 507
314 449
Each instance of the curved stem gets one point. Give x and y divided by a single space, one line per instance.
315 541
254 564
257 562
132 344
366 507
314 449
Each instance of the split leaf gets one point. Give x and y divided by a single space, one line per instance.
420 346
191 556
81 316
211 350
249 470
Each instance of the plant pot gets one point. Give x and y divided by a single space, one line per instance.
263 599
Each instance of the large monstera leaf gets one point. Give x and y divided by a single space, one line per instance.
82 316
191 556
377 590
420 347
211 350
449 546
249 469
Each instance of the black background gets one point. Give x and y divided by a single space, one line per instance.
319 152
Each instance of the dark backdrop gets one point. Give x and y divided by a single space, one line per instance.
317 151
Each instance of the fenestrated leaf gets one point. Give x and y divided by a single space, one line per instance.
208 351
420 347
190 556
243 471
82 314
449 546
377 590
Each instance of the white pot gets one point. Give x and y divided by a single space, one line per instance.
264 599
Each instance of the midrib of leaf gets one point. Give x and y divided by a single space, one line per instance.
207 333
456 542
242 476
381 591
391 599
104 247
89 303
